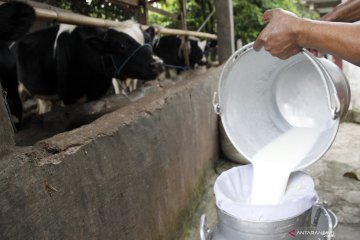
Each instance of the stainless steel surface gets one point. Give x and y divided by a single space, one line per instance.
319 220
340 83
324 220
262 97
231 228
205 231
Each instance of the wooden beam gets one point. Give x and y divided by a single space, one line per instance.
169 31
185 48
134 3
163 12
143 16
61 16
153 1
72 18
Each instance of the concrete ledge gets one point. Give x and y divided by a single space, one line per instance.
132 174
6 130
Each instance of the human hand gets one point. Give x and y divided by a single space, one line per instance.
280 36
331 16
347 11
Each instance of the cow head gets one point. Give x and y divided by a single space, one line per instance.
210 49
197 49
131 56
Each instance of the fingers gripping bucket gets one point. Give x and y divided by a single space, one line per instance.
262 97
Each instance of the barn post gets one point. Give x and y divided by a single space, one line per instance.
225 29
143 15
6 130
185 48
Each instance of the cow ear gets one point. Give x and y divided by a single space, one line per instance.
96 43
151 31
16 18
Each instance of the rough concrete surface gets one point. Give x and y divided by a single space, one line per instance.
6 130
337 179
135 173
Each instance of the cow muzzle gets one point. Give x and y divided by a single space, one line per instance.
157 66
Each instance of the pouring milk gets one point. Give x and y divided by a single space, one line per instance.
274 163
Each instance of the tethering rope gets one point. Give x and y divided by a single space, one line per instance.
120 68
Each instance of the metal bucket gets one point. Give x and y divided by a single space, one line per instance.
261 97
315 223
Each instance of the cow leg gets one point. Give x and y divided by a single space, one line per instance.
173 73
130 85
23 92
134 85
116 85
167 74
123 87
43 106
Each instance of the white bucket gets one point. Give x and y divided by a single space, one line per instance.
261 97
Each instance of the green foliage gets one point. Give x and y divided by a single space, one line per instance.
247 20
171 6
248 15
94 8
197 12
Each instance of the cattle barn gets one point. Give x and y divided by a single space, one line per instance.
121 166
109 131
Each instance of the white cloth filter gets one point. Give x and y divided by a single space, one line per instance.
233 193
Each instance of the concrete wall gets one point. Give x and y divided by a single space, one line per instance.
132 174
6 130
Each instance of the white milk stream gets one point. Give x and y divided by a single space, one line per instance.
274 163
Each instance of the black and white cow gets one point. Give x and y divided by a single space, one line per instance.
15 20
72 62
169 49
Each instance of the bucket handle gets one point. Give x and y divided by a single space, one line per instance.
322 209
205 231
335 110
216 104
